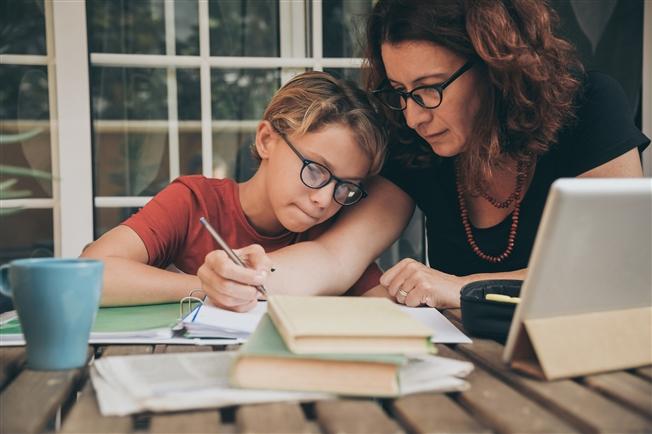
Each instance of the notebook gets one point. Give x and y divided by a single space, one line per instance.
586 304
209 321
265 362
148 324
347 325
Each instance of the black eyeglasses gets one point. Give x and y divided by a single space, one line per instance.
315 175
428 96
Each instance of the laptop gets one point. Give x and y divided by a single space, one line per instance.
586 303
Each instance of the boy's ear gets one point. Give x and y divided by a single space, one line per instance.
265 139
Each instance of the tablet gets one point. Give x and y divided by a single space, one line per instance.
592 252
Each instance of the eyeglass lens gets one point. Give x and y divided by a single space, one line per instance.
428 97
314 175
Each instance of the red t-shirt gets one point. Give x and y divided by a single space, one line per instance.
170 229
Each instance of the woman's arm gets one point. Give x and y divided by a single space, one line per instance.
127 277
328 265
425 285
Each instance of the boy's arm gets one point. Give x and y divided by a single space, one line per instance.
333 262
328 265
127 277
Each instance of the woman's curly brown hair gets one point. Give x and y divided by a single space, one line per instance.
534 75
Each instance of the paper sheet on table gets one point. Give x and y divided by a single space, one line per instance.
171 382
444 332
168 382
213 319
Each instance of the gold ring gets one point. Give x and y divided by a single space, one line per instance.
403 293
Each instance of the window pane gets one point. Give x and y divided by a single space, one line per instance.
126 26
232 154
352 74
344 22
131 131
31 235
244 28
25 129
129 93
190 159
242 93
189 110
22 27
130 163
188 94
108 218
186 27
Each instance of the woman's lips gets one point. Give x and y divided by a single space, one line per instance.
434 135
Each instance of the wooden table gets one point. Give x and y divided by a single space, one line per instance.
499 400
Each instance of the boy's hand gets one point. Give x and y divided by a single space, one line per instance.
231 286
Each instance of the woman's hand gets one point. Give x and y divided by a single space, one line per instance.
413 284
231 286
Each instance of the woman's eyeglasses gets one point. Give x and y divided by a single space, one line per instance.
429 96
315 175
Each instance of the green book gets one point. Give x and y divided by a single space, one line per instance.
265 362
114 323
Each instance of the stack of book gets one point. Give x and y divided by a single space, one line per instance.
343 345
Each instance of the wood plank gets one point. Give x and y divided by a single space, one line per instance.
85 416
502 408
275 418
31 401
628 389
354 416
430 413
125 350
12 360
645 373
202 421
579 405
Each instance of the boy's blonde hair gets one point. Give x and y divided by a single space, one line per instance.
314 100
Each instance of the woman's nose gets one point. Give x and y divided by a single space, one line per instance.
322 197
414 114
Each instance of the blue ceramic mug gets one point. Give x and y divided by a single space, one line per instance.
56 300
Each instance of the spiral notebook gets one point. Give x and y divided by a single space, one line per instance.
204 320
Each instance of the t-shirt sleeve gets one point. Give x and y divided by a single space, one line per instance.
162 223
369 279
604 128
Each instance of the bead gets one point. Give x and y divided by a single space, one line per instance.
522 165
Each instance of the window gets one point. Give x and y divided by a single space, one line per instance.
173 88
178 88
27 142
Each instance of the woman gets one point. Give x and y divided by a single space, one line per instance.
487 107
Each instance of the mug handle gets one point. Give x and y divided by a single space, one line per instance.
4 281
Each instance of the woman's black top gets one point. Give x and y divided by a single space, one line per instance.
601 131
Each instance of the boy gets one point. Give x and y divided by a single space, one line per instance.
319 139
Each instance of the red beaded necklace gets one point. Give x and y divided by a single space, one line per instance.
521 176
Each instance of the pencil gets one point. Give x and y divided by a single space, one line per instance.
229 252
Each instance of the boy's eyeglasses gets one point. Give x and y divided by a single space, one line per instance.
429 96
315 175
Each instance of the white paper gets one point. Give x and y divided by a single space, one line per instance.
153 337
223 327
433 373
444 332
208 320
211 319
168 382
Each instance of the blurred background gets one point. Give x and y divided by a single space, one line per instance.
115 98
